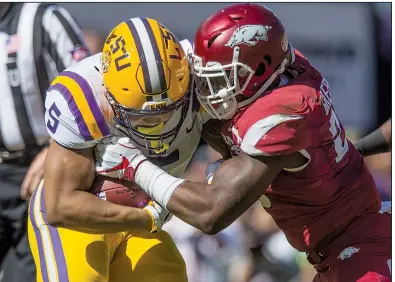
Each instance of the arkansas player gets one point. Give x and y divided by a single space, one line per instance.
287 147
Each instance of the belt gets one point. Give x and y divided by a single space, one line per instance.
22 157
6 155
317 255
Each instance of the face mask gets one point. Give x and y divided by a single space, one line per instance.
156 130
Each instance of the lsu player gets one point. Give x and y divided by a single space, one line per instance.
137 87
287 147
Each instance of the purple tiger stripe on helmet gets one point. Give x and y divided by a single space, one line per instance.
142 56
158 59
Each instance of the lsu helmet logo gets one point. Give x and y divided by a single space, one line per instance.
248 35
106 60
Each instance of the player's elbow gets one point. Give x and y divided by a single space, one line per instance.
211 227
55 217
56 213
210 223
55 221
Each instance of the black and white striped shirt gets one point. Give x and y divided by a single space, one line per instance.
37 41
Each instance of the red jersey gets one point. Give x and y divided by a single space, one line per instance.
334 187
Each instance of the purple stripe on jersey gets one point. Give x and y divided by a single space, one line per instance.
158 59
74 110
44 271
143 60
90 98
56 246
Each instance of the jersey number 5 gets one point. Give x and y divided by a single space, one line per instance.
53 121
341 145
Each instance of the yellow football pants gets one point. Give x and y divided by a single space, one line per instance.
65 255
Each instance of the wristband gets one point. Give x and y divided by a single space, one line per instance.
156 182
373 143
130 172
156 221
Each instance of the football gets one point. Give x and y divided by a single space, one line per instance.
125 193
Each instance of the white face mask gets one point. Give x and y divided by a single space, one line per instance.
221 105
155 126
216 85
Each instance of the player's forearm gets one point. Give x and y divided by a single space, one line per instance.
232 192
209 211
236 186
190 201
85 212
379 141
68 174
193 203
386 130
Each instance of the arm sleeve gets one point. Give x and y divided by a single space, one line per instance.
277 134
64 127
376 142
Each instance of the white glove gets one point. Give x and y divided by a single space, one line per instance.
159 215
117 157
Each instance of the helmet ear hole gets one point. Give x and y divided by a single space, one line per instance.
260 70
268 59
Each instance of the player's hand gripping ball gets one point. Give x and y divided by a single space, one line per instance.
125 193
128 193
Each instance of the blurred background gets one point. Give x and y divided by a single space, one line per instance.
350 43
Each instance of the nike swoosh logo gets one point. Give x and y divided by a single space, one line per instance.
193 123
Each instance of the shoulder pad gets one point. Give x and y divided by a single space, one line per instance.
73 116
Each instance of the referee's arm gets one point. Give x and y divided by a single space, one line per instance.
62 45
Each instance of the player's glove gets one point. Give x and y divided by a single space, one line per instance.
159 215
117 157
211 169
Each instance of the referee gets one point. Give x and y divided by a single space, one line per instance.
37 41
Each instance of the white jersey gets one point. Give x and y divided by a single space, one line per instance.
75 117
